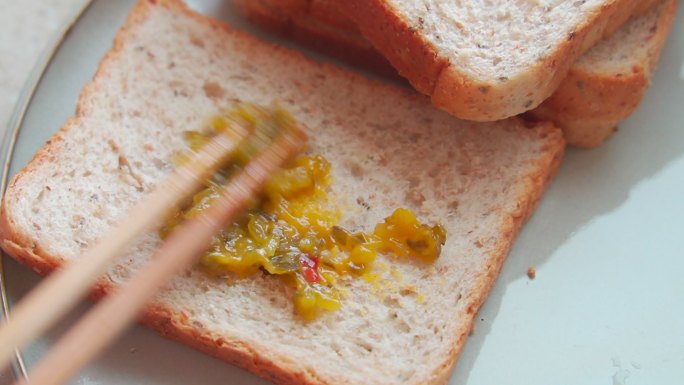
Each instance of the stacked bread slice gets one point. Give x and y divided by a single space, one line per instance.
601 88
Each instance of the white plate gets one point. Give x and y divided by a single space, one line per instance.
607 241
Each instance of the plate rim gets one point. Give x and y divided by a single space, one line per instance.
14 126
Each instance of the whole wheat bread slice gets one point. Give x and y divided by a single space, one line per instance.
170 71
487 60
603 87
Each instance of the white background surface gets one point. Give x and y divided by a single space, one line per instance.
607 306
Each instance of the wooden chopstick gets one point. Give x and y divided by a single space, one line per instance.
61 290
110 317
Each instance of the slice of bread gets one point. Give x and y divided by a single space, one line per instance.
613 75
171 70
487 60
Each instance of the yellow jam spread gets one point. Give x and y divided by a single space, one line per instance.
292 231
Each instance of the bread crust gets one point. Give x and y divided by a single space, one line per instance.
536 185
456 92
403 46
259 359
588 105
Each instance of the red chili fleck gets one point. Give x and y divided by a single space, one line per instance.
310 268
